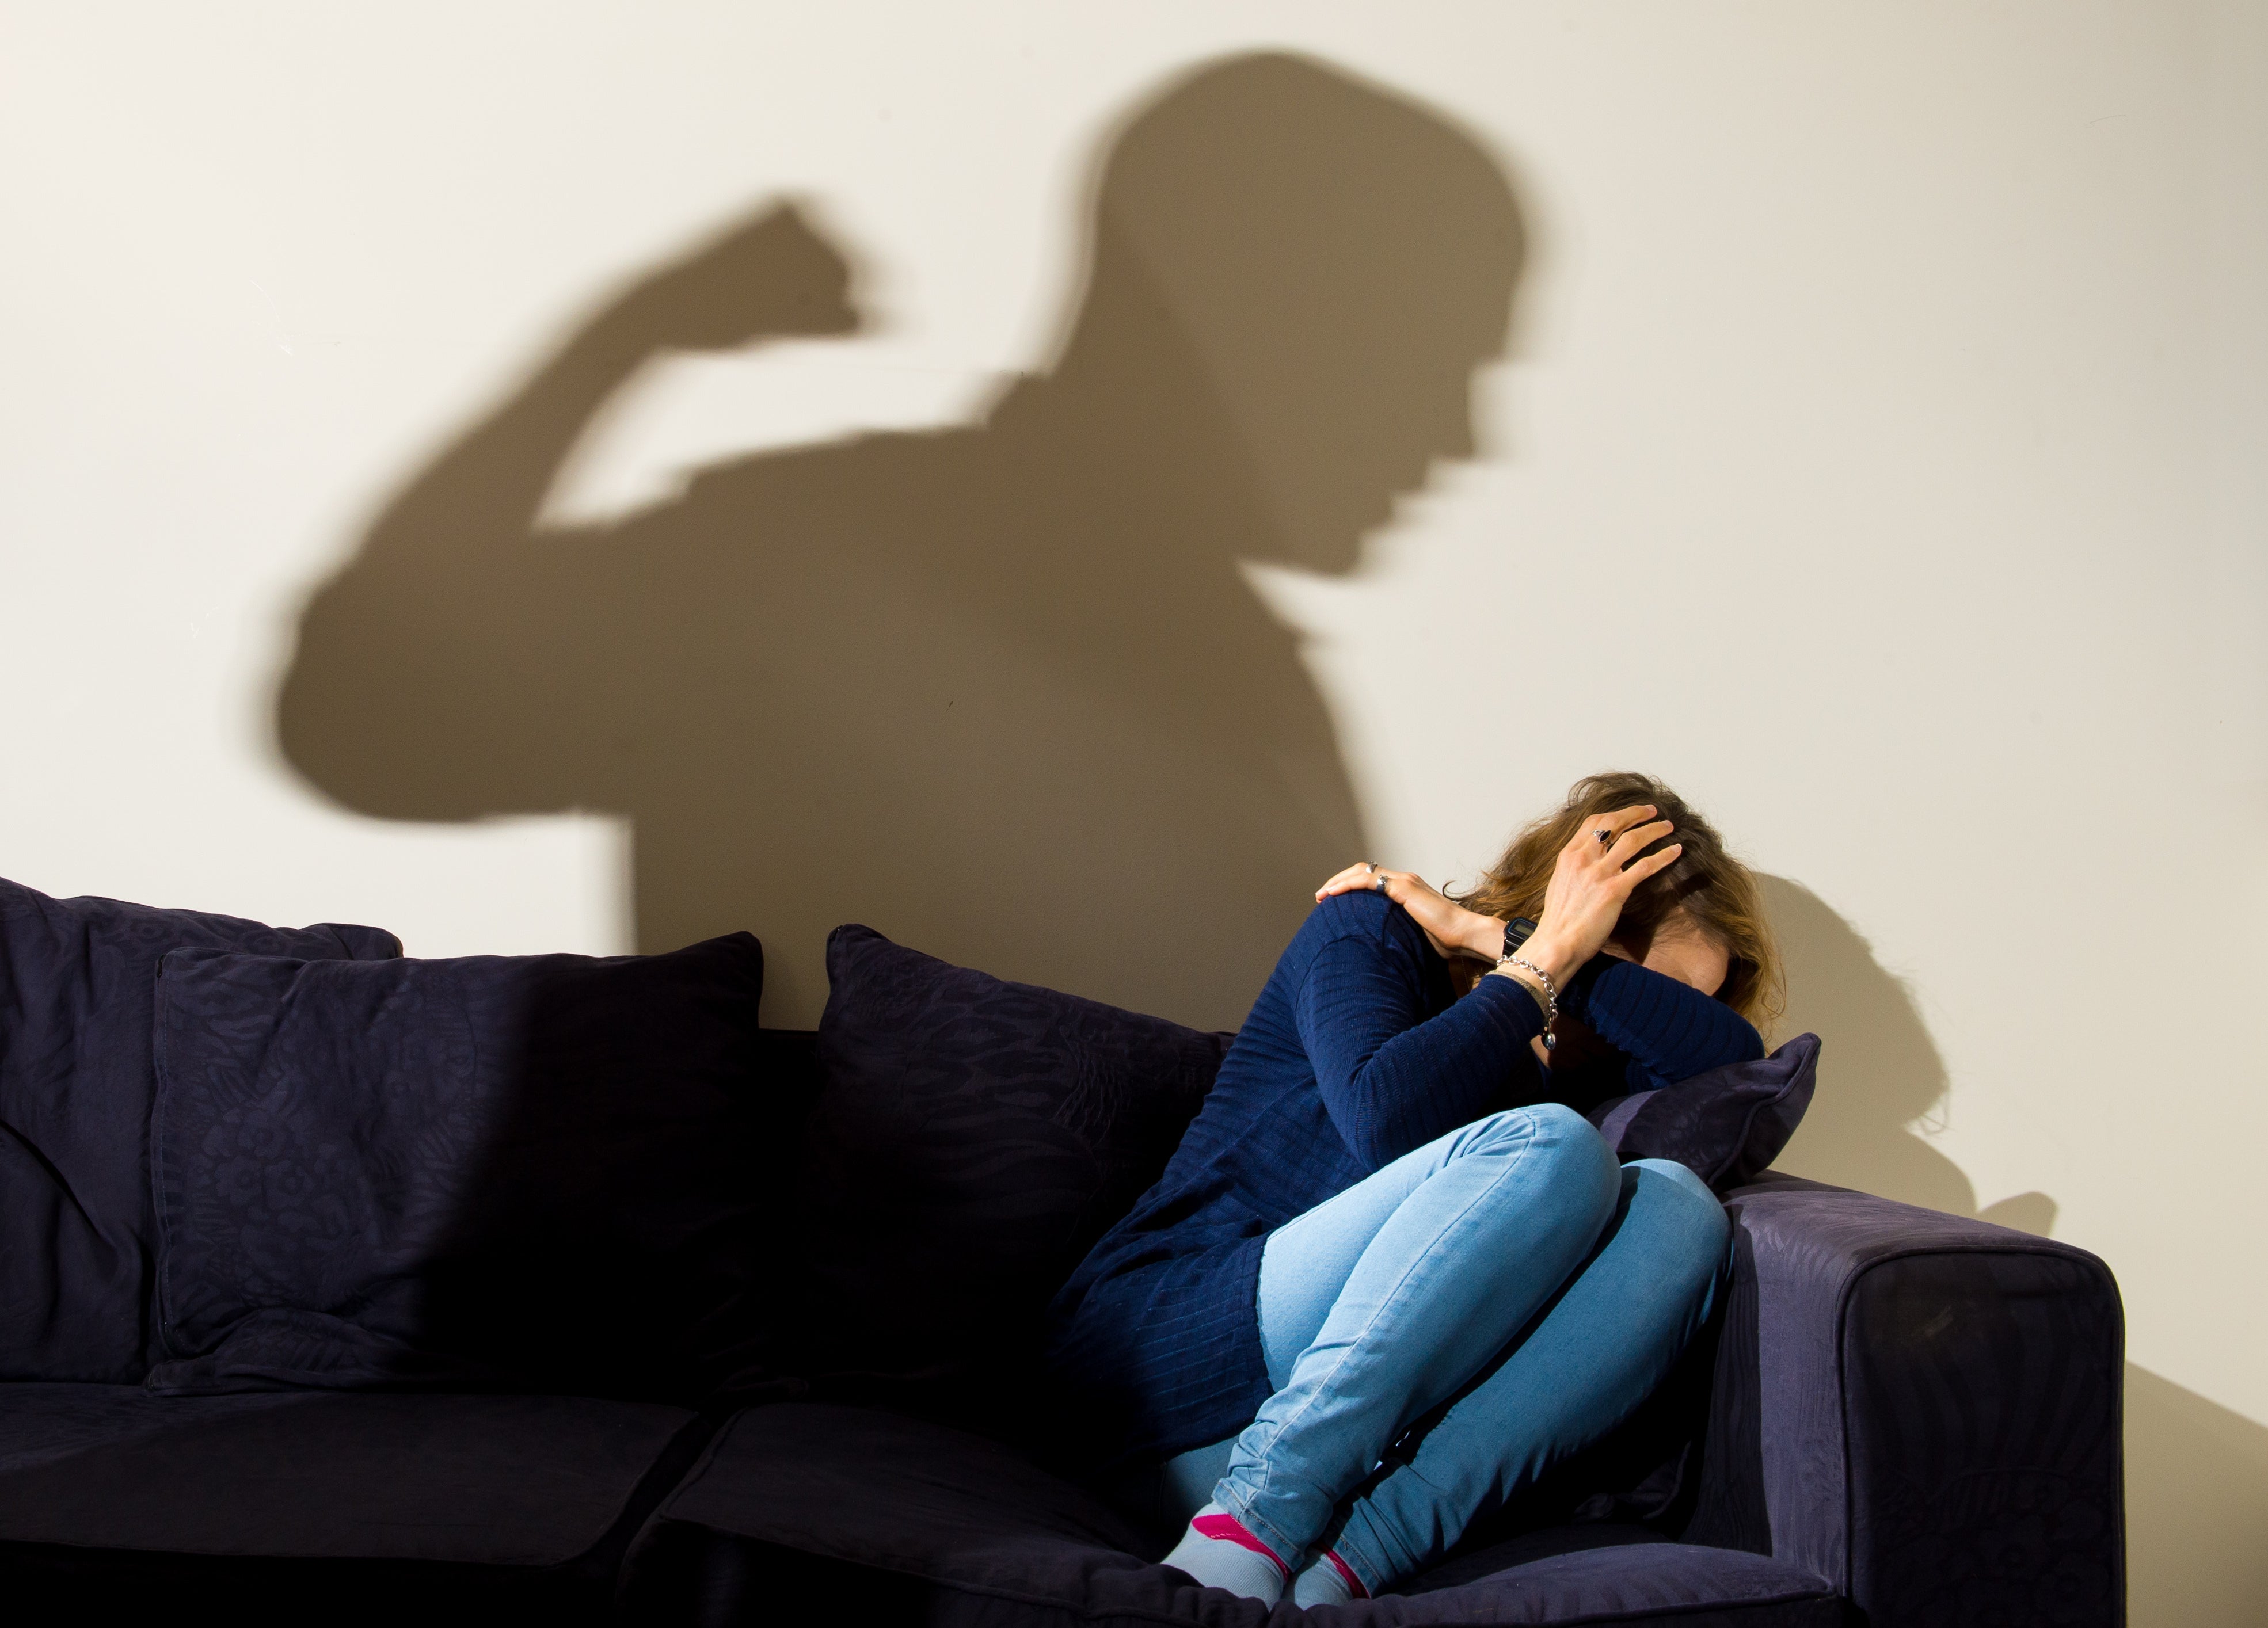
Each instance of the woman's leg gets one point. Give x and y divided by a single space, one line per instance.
1305 1264
1396 1293
1597 1353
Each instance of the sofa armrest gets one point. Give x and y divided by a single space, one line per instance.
1921 1408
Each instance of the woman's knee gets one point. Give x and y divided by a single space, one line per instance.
1689 1231
1555 1146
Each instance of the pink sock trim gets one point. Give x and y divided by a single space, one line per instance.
1347 1572
1229 1530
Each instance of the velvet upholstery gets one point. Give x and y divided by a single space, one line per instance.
1727 1125
1922 1408
78 981
973 1138
1912 1411
1900 1417
544 1172
952 1529
321 1507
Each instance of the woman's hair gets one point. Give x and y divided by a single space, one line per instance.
1706 882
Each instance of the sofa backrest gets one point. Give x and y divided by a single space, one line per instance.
78 978
972 1139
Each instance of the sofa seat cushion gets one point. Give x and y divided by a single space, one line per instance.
834 1512
492 1480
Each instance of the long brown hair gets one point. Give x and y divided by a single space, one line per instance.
1706 882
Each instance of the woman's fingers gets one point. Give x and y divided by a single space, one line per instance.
1365 875
1403 887
1613 826
1635 838
1601 864
1652 864
1622 819
1356 876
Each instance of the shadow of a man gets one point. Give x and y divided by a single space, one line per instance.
1000 689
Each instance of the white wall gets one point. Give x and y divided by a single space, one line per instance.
1879 457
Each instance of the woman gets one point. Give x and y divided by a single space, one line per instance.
1380 1210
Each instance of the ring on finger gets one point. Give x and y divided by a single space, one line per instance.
1603 834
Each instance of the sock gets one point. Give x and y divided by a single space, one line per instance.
1220 1553
1327 1581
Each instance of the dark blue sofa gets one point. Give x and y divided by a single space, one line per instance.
1900 1418
1912 1421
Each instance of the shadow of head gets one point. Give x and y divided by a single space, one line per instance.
1880 1071
1321 263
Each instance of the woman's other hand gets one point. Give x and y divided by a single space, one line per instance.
1448 926
1590 881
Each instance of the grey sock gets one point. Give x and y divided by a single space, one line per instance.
1321 1583
1217 1551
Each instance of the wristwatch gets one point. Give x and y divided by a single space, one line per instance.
1515 935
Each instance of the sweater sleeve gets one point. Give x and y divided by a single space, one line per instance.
1669 1031
1390 1081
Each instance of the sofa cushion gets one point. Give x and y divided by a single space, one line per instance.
974 1138
78 978
1725 1126
108 1493
838 1511
549 1173
502 1480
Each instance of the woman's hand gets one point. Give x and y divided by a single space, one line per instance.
1449 927
1591 881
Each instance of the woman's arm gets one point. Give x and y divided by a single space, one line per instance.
1591 880
1669 1029
1393 1079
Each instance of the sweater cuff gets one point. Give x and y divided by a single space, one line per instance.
1575 999
1526 1007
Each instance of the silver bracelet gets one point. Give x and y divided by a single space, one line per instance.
1550 992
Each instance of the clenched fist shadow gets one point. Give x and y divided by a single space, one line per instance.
999 689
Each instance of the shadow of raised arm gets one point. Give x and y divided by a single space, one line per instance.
454 668
999 687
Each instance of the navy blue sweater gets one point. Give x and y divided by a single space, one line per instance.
1357 1051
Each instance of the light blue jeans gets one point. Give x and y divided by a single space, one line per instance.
1510 1269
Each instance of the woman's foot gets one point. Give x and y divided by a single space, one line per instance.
1327 1581
1220 1553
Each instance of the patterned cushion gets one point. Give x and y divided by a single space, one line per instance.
547 1171
1725 1126
77 978
973 1140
